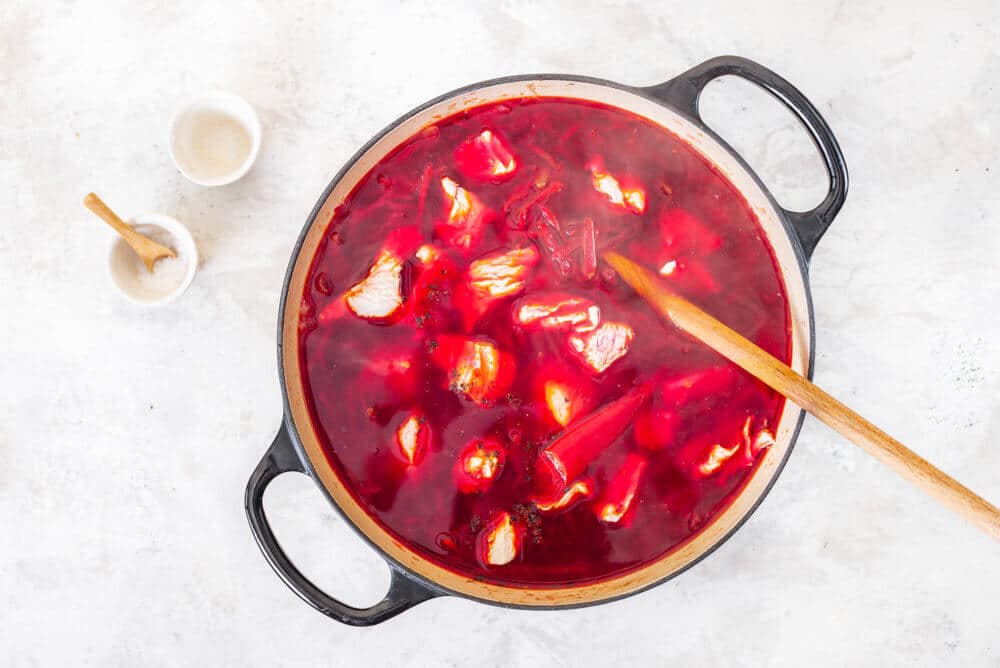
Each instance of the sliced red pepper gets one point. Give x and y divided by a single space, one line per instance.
619 495
579 490
403 242
569 454
656 429
697 385
680 404
723 449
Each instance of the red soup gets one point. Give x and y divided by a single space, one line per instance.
484 384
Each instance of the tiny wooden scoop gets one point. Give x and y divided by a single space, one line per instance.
148 250
811 398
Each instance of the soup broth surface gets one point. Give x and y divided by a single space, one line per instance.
485 385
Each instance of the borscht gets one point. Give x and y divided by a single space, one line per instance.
488 389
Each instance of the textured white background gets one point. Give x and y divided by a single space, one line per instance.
126 436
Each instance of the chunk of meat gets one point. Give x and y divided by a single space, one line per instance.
427 255
465 223
479 464
603 346
378 295
717 455
631 198
413 438
475 367
564 402
557 311
495 277
759 442
485 157
565 390
499 542
503 273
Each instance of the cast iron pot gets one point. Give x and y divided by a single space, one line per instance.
674 105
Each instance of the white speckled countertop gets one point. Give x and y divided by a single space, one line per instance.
127 436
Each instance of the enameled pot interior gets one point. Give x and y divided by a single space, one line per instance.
685 554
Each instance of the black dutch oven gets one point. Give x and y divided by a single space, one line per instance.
673 105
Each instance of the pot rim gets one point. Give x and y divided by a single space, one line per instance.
648 94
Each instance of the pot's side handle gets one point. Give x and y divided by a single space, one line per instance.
404 592
683 92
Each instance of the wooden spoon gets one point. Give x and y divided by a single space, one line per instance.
148 250
811 398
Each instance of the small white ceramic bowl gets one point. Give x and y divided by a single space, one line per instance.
131 277
215 139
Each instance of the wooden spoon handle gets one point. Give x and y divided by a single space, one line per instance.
148 250
771 371
104 212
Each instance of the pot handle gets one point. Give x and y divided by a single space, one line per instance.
404 591
683 91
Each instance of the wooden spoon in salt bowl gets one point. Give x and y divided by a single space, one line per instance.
781 378
148 250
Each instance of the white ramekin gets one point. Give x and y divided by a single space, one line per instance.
182 137
122 259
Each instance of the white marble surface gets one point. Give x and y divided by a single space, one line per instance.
126 436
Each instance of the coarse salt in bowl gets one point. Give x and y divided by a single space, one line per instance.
170 277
